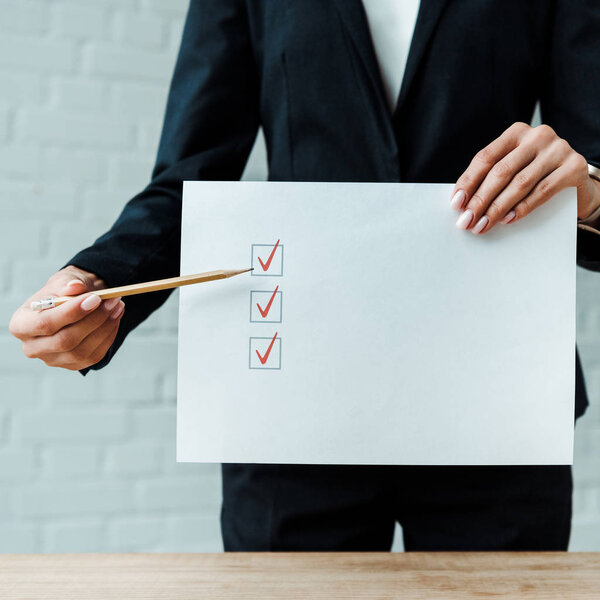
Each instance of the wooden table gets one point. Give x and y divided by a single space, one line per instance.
302 576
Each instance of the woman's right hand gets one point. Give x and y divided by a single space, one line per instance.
73 335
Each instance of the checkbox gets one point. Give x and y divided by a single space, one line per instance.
265 307
265 352
267 260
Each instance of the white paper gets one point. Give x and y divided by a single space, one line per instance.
400 339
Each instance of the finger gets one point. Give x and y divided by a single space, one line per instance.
75 287
90 281
483 161
483 201
544 190
63 283
91 350
47 322
521 185
71 336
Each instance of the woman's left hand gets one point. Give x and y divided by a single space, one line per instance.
518 172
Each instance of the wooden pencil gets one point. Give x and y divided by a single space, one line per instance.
142 288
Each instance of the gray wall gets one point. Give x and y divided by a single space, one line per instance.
88 464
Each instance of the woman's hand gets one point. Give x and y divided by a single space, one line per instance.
76 334
518 172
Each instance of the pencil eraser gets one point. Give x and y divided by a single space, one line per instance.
38 305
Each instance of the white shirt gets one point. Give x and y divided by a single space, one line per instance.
391 23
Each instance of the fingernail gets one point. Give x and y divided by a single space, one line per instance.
458 200
510 215
481 224
465 219
111 303
73 281
118 311
91 302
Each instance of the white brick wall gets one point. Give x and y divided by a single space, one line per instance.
88 464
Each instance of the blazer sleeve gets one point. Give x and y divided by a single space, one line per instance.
570 102
210 124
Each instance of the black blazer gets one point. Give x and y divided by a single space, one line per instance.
306 71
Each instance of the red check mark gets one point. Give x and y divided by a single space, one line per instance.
265 266
265 312
265 358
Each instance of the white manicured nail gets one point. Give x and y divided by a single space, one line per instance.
481 224
118 311
74 281
465 219
510 215
458 200
110 304
91 302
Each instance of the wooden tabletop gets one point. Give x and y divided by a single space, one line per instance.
302 576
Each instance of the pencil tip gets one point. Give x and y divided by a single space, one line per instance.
237 272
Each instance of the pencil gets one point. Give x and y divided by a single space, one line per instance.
142 288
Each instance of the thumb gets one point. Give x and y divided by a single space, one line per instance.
74 287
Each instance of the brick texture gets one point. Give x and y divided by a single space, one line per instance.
88 464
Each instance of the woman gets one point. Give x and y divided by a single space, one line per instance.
328 83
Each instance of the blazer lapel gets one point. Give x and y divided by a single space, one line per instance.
354 19
429 14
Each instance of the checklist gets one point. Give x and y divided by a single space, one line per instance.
265 352
267 259
266 306
372 330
